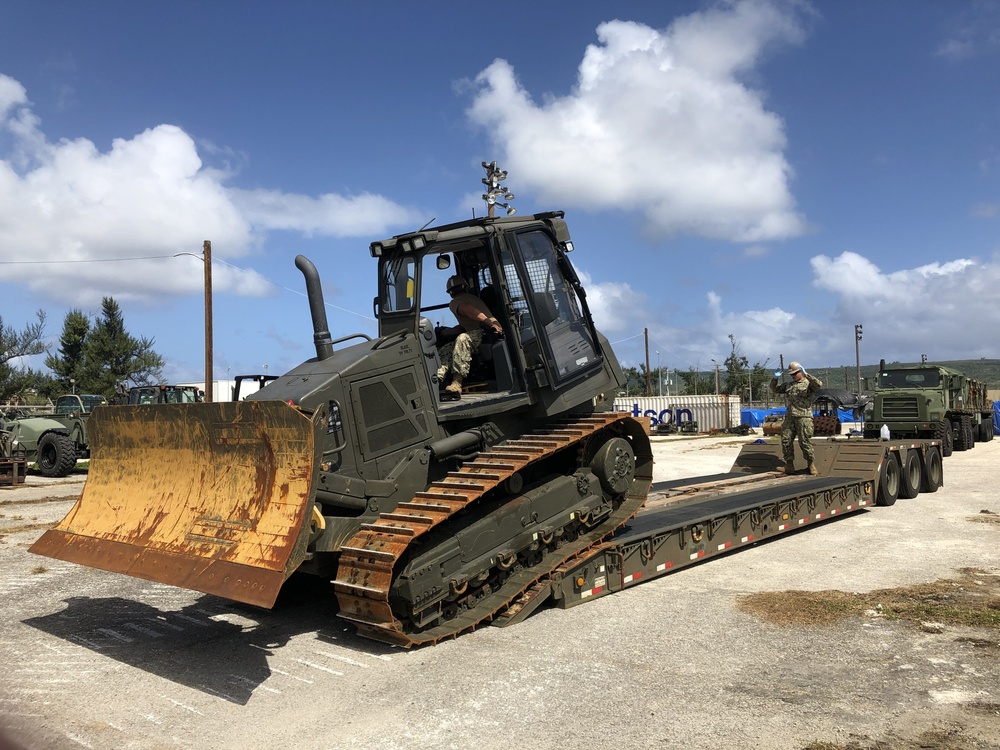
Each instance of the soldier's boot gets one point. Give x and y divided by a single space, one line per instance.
813 471
455 386
789 467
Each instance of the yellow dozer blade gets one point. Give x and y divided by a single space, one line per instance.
211 497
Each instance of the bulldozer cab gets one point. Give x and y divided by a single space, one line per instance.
520 270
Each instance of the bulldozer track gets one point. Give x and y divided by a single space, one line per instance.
367 561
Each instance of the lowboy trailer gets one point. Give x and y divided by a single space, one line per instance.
687 521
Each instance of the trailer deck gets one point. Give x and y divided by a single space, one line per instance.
687 521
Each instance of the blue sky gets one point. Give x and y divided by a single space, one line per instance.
775 170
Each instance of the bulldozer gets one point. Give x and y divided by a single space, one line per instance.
430 517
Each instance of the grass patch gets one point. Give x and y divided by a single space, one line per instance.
972 600
38 501
39 569
25 527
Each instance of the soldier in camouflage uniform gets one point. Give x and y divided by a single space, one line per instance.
798 422
473 318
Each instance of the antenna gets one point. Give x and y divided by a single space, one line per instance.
494 176
427 224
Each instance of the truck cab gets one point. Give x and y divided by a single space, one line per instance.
78 403
929 401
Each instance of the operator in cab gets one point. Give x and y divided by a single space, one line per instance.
474 317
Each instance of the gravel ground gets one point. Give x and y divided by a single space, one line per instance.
97 660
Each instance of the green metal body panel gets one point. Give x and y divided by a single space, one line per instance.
921 401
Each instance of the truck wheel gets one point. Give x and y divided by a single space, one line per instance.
888 481
961 436
933 474
909 485
943 433
56 455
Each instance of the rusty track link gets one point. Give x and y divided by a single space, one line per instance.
367 561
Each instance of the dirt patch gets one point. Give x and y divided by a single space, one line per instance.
932 739
986 516
972 600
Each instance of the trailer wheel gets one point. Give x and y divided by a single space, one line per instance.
888 481
933 474
909 484
56 455
943 433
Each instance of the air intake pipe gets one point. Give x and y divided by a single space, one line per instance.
321 330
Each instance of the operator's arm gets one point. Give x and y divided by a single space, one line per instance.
814 383
466 310
778 387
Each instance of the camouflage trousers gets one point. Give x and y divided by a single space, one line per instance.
801 428
457 355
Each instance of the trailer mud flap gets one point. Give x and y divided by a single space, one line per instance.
211 497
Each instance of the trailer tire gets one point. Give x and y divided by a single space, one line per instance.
933 473
943 433
56 455
910 476
888 481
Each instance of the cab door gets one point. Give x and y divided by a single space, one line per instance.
556 334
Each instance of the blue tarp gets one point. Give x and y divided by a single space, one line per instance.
996 417
755 417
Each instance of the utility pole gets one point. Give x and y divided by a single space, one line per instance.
649 387
857 353
659 376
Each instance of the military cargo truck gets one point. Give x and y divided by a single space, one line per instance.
929 401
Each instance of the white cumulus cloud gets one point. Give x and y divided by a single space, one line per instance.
149 197
661 122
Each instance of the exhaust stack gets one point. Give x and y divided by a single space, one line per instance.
317 309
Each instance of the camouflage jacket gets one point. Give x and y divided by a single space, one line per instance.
798 395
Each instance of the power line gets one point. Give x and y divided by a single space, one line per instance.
87 260
162 257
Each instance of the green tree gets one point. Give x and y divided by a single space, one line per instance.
749 383
16 379
68 364
697 383
635 381
111 355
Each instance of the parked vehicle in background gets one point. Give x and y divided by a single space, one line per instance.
55 441
930 401
247 384
828 405
165 394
